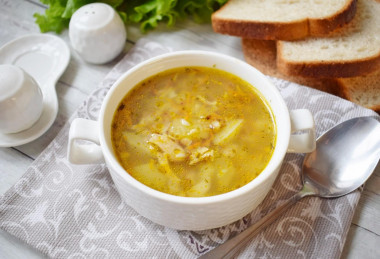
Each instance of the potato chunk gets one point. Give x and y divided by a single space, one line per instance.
228 132
201 154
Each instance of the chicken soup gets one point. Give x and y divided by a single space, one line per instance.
193 131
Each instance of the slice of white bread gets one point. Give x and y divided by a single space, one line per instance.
261 54
353 50
362 90
282 19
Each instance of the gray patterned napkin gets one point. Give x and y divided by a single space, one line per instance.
71 211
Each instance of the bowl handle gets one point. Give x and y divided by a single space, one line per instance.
80 152
302 139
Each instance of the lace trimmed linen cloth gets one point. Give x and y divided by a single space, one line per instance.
74 211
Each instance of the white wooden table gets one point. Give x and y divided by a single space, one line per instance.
80 78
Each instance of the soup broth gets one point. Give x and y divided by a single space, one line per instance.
193 131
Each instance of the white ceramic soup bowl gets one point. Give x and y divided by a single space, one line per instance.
191 213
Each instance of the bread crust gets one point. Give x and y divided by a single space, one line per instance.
346 94
291 62
321 27
259 30
261 54
361 85
294 30
327 69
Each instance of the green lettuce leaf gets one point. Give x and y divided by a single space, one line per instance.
52 20
147 13
200 10
155 11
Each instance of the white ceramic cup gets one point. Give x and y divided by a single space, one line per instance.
190 213
21 100
97 33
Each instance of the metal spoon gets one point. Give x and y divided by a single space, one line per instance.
343 160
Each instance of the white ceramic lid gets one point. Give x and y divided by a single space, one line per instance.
11 78
93 16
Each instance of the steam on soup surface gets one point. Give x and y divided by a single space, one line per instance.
193 131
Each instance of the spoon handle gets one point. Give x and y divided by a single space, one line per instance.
230 247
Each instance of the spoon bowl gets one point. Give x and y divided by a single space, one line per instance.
344 158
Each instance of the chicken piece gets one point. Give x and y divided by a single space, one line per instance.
168 146
201 154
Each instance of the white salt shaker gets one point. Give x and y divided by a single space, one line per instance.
21 100
97 33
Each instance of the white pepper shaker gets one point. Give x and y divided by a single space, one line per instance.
97 33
